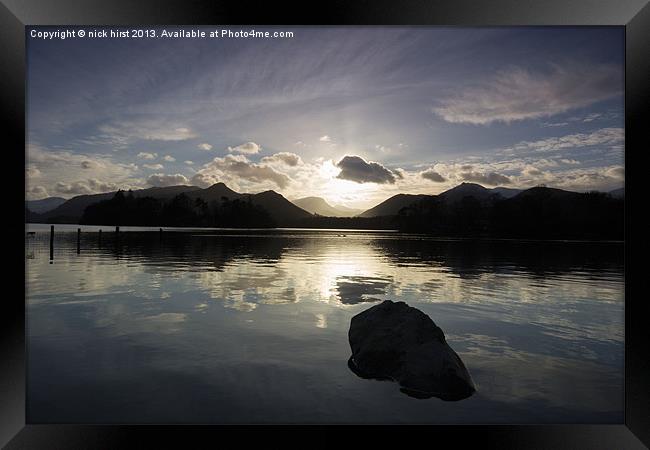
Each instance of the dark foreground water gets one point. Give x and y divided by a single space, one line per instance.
251 326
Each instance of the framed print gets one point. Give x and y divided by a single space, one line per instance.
248 218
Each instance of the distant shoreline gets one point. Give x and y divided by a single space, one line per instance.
72 228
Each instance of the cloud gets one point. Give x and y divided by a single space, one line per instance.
289 159
89 186
519 94
162 180
325 138
147 155
532 171
169 158
602 137
75 173
616 172
32 172
150 130
355 168
189 163
153 166
491 178
36 193
89 164
433 176
205 146
248 148
238 168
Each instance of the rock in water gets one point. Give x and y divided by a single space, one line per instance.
395 341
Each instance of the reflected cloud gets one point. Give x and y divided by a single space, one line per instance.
353 290
321 321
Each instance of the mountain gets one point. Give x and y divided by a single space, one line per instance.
317 205
466 190
478 192
540 193
618 193
44 205
349 212
216 192
506 192
71 210
278 207
391 206
536 213
281 210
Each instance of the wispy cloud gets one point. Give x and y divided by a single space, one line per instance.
601 137
153 166
148 130
517 94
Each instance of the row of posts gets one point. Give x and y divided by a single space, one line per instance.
117 235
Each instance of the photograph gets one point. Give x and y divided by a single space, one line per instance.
325 224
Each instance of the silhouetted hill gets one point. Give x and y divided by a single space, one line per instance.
215 193
44 205
280 209
392 206
317 205
457 193
478 192
72 210
468 210
505 192
536 213
215 206
618 193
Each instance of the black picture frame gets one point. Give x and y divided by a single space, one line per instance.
634 15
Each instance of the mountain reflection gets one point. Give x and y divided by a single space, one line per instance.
245 269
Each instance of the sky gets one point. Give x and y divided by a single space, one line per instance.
350 114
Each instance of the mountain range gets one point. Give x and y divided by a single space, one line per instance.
317 205
278 207
311 211
44 205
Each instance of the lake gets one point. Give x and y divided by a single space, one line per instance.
251 326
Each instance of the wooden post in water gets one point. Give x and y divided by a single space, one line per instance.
100 237
51 242
161 234
78 240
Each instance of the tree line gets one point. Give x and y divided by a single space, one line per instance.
181 211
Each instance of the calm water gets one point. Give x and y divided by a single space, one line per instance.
250 326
